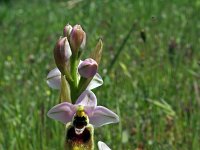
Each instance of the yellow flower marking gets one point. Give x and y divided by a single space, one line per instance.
80 111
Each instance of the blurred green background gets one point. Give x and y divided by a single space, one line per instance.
153 86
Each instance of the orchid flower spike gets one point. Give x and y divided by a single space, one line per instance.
86 107
103 146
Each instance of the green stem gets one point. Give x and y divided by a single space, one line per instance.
67 76
74 71
74 84
84 82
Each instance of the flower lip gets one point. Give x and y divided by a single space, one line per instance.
80 119
72 135
80 122
98 115
79 131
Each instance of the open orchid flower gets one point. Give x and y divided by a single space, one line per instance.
54 80
87 103
103 146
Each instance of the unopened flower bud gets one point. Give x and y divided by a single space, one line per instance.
67 30
62 53
88 68
77 38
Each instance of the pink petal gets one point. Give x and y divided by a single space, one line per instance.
103 146
54 78
87 98
63 112
95 82
102 116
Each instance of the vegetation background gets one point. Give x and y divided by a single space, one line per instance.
153 85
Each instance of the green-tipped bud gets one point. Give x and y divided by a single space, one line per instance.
67 30
88 68
62 54
77 38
